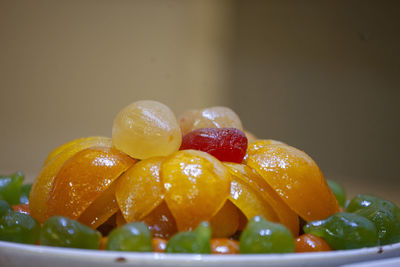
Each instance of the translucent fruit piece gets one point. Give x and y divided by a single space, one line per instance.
226 222
140 189
226 144
213 117
256 145
41 186
83 178
249 176
101 209
296 178
161 222
196 184
146 129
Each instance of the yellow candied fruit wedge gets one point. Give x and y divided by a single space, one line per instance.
196 185
140 189
250 201
296 178
286 216
101 209
41 186
161 222
226 222
146 129
212 117
83 178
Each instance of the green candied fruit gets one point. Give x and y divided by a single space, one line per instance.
63 232
24 194
383 213
261 236
338 191
197 241
4 207
345 230
10 186
19 227
130 237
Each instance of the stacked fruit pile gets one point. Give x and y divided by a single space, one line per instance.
197 184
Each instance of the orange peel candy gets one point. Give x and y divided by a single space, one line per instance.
296 178
196 185
285 215
41 186
83 178
226 222
140 189
161 222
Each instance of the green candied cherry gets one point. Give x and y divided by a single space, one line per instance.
19 227
130 237
60 231
10 186
4 207
338 191
383 213
24 193
345 230
262 236
197 241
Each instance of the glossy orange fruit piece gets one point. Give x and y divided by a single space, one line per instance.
311 243
101 209
161 222
286 216
83 178
159 244
224 246
196 185
296 178
140 189
41 186
226 222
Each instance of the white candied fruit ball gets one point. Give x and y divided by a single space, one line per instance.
213 117
146 129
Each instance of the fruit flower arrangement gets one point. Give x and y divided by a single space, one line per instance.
200 184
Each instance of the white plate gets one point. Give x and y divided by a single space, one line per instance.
13 254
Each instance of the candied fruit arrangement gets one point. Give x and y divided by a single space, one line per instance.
197 184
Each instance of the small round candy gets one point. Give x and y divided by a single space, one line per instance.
146 129
261 236
130 237
60 231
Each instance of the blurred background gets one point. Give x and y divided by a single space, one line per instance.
322 76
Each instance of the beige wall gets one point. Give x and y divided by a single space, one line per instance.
321 75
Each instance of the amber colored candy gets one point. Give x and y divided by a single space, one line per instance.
242 220
140 189
311 243
119 219
224 246
159 244
101 209
22 208
146 129
285 215
103 243
213 117
160 221
226 222
296 178
196 185
83 178
256 145
41 186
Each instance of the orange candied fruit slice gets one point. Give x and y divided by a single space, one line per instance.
140 189
226 222
102 208
83 178
161 222
296 178
41 186
249 176
311 243
196 184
